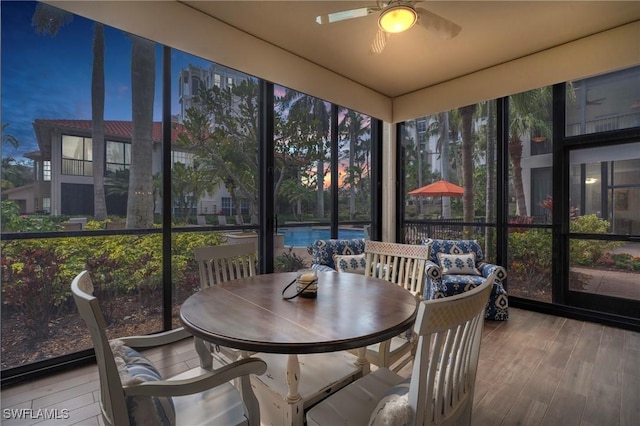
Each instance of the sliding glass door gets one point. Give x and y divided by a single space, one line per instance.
603 173
604 228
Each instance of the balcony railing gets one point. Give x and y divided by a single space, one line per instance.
73 167
415 232
604 124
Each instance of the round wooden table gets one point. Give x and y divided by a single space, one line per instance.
350 311
250 314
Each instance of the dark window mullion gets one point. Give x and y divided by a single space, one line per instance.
266 167
167 285
502 181
334 219
560 190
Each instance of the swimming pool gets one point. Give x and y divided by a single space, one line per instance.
305 236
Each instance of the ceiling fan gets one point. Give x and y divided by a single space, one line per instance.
395 17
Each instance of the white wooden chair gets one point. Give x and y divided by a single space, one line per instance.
404 265
218 264
441 386
132 390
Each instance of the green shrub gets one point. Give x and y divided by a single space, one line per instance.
13 221
531 248
587 252
288 262
119 265
31 286
530 260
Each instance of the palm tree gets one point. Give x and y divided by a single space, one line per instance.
466 114
443 141
528 111
353 128
9 139
316 111
48 20
415 153
188 185
491 172
140 199
97 119
117 183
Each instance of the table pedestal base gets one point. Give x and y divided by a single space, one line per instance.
318 376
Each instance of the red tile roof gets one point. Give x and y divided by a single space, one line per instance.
122 129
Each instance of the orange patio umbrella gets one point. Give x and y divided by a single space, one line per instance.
441 188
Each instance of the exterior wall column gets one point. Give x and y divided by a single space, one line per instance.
389 196
56 172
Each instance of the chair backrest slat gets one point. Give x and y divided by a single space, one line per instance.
401 264
218 264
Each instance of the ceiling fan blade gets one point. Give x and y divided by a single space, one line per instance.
379 42
443 27
330 18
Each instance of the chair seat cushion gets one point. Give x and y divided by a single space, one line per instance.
498 305
134 368
393 408
458 283
354 403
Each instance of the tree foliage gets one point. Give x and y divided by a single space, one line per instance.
15 173
466 114
354 132
313 114
222 130
529 112
188 185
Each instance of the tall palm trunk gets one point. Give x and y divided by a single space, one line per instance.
444 157
489 247
420 184
515 153
140 200
466 114
320 191
353 136
97 123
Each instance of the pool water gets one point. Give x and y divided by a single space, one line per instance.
304 237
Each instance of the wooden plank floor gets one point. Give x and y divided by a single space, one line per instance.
534 369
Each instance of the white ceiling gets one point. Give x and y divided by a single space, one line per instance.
493 33
504 47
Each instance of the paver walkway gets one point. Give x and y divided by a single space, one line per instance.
612 283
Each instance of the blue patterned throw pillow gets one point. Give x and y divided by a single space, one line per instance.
324 250
354 264
458 264
134 368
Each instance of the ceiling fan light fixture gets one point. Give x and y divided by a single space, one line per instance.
398 18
